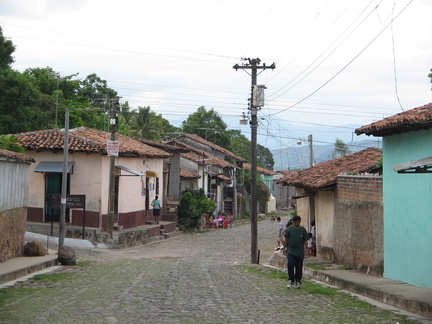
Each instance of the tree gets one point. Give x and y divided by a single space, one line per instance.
95 90
6 50
193 204
340 149
430 76
18 104
239 144
264 157
7 142
207 124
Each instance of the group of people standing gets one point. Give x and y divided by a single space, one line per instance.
296 242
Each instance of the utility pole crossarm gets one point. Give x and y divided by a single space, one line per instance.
264 67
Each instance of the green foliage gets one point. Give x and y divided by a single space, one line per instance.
430 76
264 157
6 50
242 146
52 277
193 204
380 163
7 142
144 123
246 209
207 124
263 191
340 149
239 144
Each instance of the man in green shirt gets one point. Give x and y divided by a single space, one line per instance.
295 243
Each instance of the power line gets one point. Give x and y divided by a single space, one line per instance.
346 65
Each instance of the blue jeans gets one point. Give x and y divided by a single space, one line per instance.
295 268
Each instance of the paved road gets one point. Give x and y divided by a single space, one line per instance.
194 278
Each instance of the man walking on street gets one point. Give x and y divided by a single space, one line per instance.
295 243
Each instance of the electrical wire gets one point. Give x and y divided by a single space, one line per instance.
346 65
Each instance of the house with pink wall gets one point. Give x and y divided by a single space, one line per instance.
138 177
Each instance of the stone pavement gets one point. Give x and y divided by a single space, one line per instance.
193 278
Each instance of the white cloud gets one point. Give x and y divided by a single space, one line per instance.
165 53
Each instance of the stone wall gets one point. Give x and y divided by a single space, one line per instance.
358 228
12 229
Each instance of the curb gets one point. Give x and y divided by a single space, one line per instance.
412 305
19 272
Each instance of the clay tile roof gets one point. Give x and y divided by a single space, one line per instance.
223 178
410 120
202 157
185 174
324 174
214 146
163 146
15 156
260 170
83 139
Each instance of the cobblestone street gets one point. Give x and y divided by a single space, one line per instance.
192 278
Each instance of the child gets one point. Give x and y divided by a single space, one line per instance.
280 231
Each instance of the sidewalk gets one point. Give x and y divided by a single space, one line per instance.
414 299
19 268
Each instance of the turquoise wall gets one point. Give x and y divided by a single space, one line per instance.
407 210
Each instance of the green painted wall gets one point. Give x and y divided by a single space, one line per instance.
407 210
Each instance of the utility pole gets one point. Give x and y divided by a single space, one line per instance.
63 199
254 105
311 155
111 200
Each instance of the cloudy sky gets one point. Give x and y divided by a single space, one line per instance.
338 62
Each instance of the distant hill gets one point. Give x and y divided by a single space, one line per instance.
298 157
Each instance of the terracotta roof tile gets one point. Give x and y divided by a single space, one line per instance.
83 139
410 120
15 156
185 174
202 157
214 146
260 170
324 174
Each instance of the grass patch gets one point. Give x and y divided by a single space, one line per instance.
315 266
12 293
326 267
308 287
53 277
84 264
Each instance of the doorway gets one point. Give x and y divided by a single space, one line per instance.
53 185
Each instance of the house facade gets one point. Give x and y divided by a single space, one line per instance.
212 168
138 178
322 198
407 185
267 176
14 169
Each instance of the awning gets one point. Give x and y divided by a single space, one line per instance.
53 167
151 174
301 196
134 173
418 166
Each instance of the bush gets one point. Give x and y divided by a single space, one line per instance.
193 204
